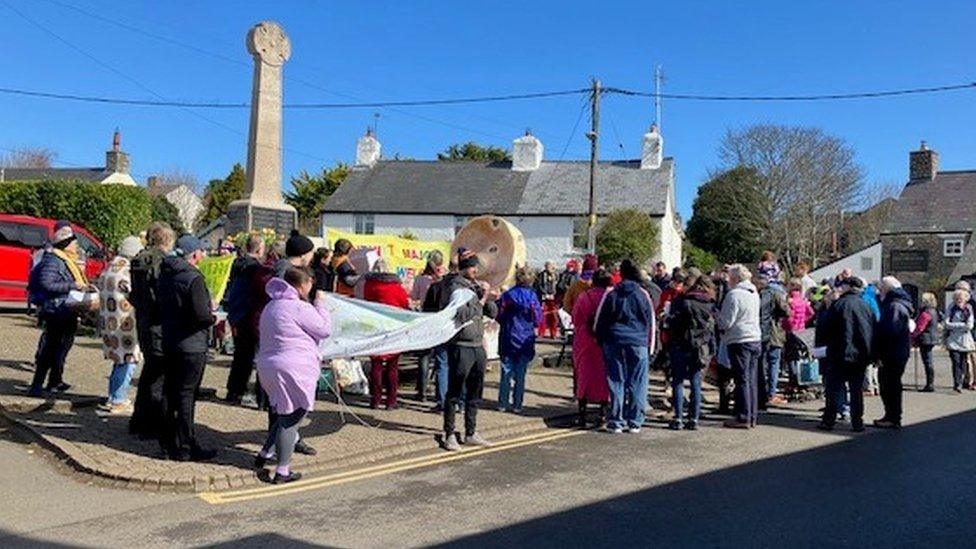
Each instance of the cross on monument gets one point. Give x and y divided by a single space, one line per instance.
263 207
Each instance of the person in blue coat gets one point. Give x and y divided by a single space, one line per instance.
50 282
519 315
625 329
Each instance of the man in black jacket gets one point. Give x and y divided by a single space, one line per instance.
893 346
466 355
848 331
239 304
150 404
186 320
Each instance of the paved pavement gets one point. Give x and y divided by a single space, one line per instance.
346 435
781 484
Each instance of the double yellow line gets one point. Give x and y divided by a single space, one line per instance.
261 492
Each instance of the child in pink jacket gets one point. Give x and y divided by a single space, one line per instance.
800 309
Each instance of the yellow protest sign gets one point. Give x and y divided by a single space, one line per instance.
405 256
216 273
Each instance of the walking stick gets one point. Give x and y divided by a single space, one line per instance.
915 354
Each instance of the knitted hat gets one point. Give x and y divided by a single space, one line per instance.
590 262
130 246
187 244
63 235
298 244
467 259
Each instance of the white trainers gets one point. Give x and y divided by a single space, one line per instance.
476 440
451 443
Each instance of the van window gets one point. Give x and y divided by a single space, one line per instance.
28 236
90 248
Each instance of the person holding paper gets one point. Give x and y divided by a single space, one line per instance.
51 281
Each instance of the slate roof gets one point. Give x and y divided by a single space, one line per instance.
943 204
472 188
37 174
162 190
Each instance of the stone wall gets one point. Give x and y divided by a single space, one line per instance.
939 267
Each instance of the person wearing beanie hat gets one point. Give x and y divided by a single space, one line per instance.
186 317
51 280
466 354
117 324
298 253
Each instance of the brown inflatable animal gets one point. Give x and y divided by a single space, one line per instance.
499 245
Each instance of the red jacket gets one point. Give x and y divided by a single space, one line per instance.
386 288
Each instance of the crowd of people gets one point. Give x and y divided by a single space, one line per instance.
739 328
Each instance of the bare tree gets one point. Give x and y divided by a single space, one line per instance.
808 178
28 157
179 176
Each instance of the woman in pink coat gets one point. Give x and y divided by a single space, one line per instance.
800 309
591 374
288 362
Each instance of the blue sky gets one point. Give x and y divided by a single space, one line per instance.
389 50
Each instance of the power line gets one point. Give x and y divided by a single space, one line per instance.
815 97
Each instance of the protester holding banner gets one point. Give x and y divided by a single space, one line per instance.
433 273
341 275
466 351
288 363
385 287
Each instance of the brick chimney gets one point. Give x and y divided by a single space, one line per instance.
923 164
152 181
117 161
367 149
652 149
526 153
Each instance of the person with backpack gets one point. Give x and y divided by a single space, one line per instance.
692 334
51 280
149 408
926 336
774 312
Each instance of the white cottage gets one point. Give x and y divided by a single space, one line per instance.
547 201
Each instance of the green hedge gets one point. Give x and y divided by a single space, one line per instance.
111 212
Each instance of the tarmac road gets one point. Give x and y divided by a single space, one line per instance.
783 484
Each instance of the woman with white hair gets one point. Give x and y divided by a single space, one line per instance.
959 336
739 320
893 342
117 324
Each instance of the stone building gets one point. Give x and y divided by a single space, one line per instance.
115 170
187 202
928 239
548 201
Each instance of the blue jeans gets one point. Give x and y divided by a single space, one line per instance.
774 357
627 377
118 382
513 370
682 368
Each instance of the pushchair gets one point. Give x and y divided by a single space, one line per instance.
805 381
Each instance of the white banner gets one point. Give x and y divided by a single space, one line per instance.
363 328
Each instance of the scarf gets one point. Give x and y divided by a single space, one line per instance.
71 260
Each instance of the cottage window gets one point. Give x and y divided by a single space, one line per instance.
365 224
581 227
952 247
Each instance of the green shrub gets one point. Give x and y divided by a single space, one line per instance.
696 257
164 210
110 212
627 234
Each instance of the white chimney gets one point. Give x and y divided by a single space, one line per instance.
526 153
367 149
652 149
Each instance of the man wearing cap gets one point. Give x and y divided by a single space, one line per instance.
466 355
848 331
57 274
186 319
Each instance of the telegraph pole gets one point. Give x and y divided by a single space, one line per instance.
594 136
658 82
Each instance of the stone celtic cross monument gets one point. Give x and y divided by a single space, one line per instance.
263 207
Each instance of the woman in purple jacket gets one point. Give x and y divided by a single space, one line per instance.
288 362
519 315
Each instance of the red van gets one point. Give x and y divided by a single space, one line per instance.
21 236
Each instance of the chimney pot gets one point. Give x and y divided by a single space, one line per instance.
526 153
116 160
